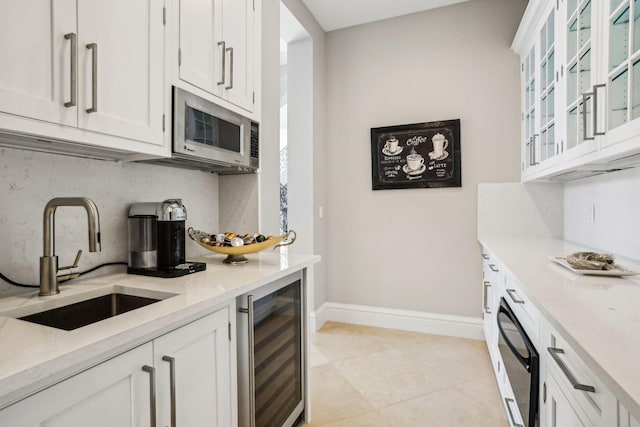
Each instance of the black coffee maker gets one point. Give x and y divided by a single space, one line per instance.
157 240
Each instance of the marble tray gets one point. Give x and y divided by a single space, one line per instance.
618 271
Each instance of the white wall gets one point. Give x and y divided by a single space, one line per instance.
414 249
617 212
30 180
319 162
269 185
300 143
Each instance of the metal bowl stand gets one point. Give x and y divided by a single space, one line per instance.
235 259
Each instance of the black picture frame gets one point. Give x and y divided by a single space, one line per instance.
419 155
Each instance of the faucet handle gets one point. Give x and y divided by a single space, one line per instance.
77 260
71 271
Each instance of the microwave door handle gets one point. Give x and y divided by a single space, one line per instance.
525 362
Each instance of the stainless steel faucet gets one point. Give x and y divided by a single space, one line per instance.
50 274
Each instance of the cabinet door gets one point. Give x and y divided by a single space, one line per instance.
580 63
557 411
529 112
35 76
622 44
121 68
238 35
547 145
200 55
114 393
202 372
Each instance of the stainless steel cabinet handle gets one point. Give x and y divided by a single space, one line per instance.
485 256
230 50
555 352
595 110
585 96
152 392
511 292
252 371
224 63
487 285
172 386
94 78
508 402
494 268
74 69
533 153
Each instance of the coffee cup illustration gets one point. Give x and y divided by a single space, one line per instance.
440 143
391 146
414 161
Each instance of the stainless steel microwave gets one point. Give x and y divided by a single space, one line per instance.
209 136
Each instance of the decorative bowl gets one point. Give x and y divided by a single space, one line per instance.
236 254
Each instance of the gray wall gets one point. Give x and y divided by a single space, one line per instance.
414 249
30 179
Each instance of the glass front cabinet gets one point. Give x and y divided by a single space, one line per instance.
622 72
580 74
540 82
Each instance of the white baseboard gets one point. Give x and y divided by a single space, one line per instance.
406 320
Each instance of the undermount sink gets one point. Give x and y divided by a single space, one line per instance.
83 313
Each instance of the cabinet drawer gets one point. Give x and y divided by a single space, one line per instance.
523 308
577 380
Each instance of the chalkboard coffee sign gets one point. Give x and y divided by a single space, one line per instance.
421 155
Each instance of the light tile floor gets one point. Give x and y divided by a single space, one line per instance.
371 377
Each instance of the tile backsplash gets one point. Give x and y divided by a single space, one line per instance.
30 179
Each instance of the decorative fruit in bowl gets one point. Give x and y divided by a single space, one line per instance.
236 246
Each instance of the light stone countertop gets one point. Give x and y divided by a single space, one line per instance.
598 316
33 357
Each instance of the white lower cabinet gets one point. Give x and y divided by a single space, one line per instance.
557 410
625 419
199 391
592 402
114 393
193 368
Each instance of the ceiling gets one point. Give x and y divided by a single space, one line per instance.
336 14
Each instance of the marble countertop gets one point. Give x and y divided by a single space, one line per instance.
33 357
598 316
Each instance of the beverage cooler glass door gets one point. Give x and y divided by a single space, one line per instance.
270 368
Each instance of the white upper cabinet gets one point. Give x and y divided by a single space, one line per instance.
97 68
238 38
120 68
198 49
540 102
580 64
621 21
217 48
36 40
580 87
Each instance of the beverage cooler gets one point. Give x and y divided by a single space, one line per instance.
271 355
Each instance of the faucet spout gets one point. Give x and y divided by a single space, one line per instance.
49 260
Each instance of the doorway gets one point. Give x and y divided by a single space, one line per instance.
296 130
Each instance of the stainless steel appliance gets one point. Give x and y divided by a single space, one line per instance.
157 240
522 364
271 342
210 137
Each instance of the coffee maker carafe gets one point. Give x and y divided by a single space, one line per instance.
157 240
